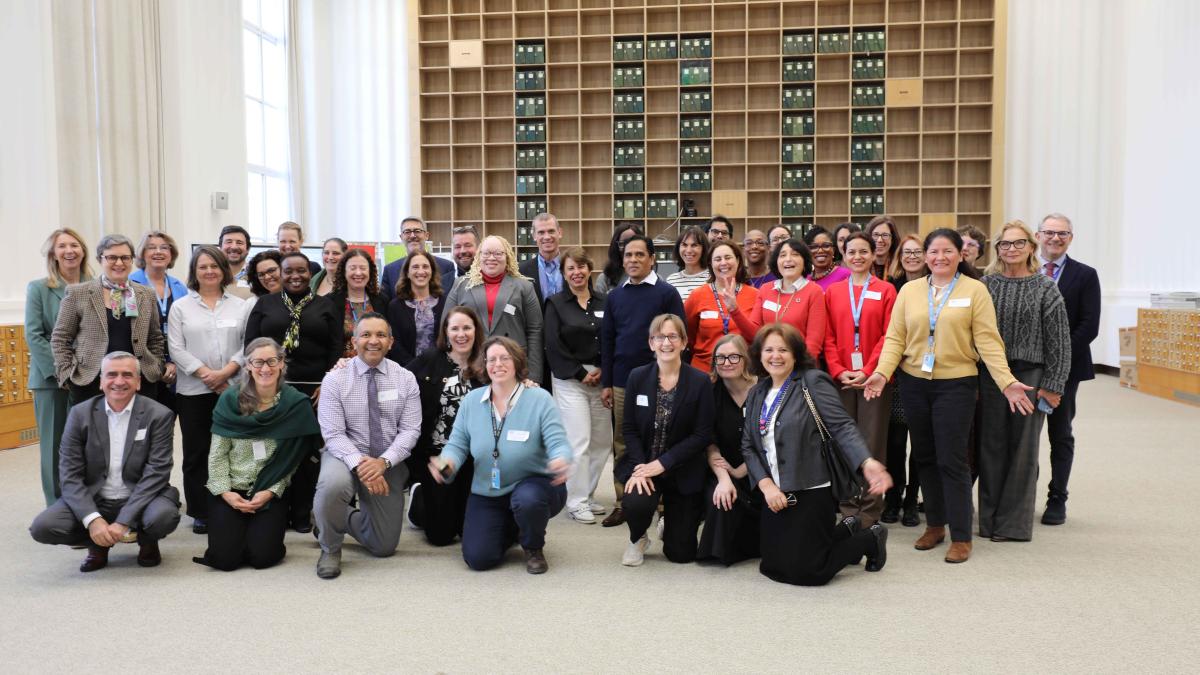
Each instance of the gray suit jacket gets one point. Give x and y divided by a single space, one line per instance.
80 337
146 467
517 315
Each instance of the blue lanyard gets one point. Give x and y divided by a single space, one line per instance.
721 309
934 315
764 418
856 308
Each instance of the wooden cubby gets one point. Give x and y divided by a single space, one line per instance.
940 150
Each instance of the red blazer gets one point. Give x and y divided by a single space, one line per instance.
876 314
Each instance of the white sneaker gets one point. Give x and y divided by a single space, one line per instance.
412 492
581 514
597 508
662 525
635 552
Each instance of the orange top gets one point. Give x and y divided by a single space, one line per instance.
706 322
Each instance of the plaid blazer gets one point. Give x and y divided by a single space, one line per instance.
80 338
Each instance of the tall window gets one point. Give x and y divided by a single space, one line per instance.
265 63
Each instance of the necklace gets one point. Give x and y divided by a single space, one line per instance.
821 275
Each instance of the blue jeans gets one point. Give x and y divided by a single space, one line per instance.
494 524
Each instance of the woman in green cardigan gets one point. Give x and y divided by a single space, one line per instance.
66 263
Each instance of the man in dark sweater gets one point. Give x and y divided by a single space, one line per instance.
1080 288
625 337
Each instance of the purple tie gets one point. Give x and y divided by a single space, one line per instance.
1050 267
374 425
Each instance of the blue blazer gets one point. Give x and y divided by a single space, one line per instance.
689 431
391 275
1080 288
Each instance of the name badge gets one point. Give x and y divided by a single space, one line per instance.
959 302
510 310
227 323
260 450
856 361
495 478
927 363
599 314
771 305
643 400
140 435
516 436
710 314
590 368
389 395
872 295
452 381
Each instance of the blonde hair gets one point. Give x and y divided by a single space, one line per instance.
739 343
1031 260
896 268
293 226
53 275
657 324
475 274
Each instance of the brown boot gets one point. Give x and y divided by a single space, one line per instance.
959 552
932 537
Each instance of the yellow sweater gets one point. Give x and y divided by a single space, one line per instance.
966 331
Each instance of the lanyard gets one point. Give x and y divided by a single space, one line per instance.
779 297
935 314
721 309
764 418
350 309
856 307
498 426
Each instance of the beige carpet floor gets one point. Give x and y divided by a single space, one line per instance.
1114 590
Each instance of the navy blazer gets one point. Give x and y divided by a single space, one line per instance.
1080 288
689 431
391 275
531 268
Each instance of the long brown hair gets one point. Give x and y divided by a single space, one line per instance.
404 285
443 342
339 280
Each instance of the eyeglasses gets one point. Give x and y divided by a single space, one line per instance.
821 247
1018 245
881 236
970 244
412 231
1056 234
915 255
114 259
491 254
731 359
161 247
659 339
754 242
259 363
718 233
502 358
779 239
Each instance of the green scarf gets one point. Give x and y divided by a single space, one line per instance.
291 424
291 339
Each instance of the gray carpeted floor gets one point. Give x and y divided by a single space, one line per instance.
1114 590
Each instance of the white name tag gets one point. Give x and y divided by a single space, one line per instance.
710 314
389 395
140 435
452 381
773 306
856 361
599 315
590 369
643 400
509 309
517 436
260 450
227 323
959 302
873 295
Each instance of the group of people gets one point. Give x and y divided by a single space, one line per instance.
478 398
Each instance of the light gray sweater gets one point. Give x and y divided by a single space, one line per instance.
1033 322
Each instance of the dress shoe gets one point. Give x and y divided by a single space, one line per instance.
890 515
303 528
617 517
1055 513
148 554
911 517
932 537
959 552
846 528
877 561
535 561
97 558
329 565
199 526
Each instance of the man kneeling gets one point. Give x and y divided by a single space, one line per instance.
370 416
114 466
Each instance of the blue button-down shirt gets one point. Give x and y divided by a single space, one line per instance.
550 275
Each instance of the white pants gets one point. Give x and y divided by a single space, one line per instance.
589 431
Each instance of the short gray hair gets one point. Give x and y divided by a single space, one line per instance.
121 356
1056 216
112 241
547 216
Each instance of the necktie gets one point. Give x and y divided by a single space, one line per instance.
1050 267
374 425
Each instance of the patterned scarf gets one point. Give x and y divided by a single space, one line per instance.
291 339
423 318
119 298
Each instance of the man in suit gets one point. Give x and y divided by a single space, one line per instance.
105 315
544 268
115 467
1080 288
464 242
414 235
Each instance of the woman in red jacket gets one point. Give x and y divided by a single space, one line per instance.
708 308
793 299
858 310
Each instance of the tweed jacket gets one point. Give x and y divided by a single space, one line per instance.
80 335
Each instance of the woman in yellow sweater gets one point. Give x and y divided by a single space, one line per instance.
940 328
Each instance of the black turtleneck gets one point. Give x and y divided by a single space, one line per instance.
320 334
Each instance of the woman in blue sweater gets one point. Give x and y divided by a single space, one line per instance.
515 436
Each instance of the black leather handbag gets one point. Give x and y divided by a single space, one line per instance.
844 480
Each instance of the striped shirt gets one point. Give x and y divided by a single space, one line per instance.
344 415
686 283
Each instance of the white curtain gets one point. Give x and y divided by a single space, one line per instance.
350 150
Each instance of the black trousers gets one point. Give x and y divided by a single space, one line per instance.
303 488
236 538
440 509
1062 442
195 424
731 536
798 544
940 414
682 513
78 393
898 460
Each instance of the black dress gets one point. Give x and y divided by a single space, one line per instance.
730 536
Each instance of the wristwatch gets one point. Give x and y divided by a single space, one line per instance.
387 463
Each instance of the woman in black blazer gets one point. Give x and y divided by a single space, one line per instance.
800 543
355 292
416 307
667 426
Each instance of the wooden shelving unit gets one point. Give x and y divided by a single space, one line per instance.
925 108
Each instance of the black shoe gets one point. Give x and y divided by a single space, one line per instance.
97 558
148 554
877 561
303 528
890 515
1055 513
535 561
199 526
911 517
846 528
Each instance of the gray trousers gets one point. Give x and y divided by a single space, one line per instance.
1008 459
375 523
872 418
58 524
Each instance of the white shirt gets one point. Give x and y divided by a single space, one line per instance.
769 439
198 336
651 279
118 430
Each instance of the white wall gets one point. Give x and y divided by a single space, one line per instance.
1102 99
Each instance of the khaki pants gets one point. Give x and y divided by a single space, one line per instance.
872 418
618 438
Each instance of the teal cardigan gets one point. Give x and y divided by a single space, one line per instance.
533 435
41 312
